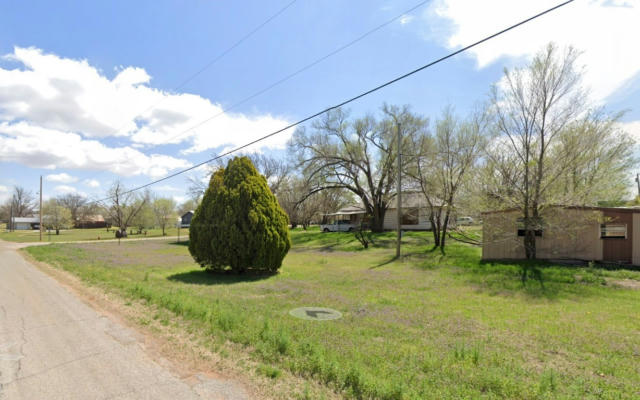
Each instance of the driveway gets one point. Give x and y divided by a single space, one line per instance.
53 346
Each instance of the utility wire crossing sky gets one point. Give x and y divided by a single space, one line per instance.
352 99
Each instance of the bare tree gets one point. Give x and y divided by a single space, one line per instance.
123 206
23 201
358 156
304 209
549 146
275 170
442 165
73 202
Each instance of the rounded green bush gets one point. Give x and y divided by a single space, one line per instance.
239 224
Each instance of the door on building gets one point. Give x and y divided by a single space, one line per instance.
617 236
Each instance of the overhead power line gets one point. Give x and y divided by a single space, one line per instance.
350 100
214 60
221 55
301 70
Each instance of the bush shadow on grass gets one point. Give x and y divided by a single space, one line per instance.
180 243
207 277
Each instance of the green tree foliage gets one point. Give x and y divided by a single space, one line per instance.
145 218
164 211
56 216
239 223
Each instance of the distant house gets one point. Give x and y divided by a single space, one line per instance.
353 214
91 221
25 223
415 214
185 220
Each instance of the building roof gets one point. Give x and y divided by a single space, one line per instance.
350 210
410 200
188 212
93 218
29 220
632 209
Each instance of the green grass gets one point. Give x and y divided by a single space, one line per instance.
429 325
82 234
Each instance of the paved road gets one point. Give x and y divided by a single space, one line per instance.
53 346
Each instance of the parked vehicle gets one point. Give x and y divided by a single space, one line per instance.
461 221
338 226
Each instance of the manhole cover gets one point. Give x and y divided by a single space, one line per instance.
315 313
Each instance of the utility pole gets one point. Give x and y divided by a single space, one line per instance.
40 208
13 199
638 182
399 192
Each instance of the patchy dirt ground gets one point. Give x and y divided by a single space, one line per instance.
625 283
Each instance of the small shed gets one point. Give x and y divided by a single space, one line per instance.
91 221
609 234
25 223
185 219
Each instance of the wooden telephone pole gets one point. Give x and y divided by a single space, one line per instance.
399 193
40 208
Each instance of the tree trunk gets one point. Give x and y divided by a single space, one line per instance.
377 221
435 229
530 244
444 229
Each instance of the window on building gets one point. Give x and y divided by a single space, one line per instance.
410 217
538 232
613 231
521 230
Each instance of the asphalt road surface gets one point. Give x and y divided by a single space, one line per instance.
53 346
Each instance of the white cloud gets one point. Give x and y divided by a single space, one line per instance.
4 193
62 178
605 30
168 188
65 189
633 129
47 148
94 183
180 199
66 95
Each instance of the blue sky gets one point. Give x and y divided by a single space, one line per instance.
78 78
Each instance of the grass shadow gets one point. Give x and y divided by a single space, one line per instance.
180 243
382 264
205 277
536 279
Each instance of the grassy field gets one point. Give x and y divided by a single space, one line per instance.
425 326
67 235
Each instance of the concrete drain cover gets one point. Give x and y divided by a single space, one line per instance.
315 313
